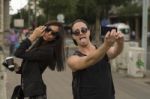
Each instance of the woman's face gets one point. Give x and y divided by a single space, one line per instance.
51 33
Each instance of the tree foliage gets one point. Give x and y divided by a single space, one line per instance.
130 10
89 9
23 14
52 8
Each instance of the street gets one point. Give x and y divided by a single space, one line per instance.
18 19
59 85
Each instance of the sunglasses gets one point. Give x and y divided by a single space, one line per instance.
48 29
77 31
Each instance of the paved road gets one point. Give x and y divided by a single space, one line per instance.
131 88
59 85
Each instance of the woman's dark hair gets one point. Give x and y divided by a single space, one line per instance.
76 21
59 47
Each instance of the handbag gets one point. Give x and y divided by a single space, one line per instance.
17 93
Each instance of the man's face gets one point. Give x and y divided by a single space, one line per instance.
50 33
81 33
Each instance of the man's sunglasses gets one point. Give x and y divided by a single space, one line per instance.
77 31
48 29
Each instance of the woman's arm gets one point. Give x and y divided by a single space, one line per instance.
24 45
39 54
44 53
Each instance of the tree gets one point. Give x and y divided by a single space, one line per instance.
130 9
94 9
22 14
52 8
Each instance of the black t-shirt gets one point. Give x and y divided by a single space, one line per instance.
94 82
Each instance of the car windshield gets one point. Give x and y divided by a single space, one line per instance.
125 31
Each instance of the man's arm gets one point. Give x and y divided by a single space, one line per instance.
117 48
78 63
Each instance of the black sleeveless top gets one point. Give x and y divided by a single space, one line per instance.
94 82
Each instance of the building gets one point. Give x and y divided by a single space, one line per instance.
4 25
4 17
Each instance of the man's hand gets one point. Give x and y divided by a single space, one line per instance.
119 37
110 38
116 49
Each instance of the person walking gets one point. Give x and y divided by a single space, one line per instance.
90 65
13 41
43 48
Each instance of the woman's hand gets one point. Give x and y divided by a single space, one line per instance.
38 32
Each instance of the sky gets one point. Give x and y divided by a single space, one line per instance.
15 5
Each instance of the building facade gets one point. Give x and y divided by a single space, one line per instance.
4 25
4 17
1 15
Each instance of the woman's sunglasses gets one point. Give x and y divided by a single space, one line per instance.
77 31
48 29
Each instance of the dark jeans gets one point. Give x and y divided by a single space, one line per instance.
11 49
113 97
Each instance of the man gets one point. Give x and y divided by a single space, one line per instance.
90 65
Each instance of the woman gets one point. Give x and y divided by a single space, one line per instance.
46 51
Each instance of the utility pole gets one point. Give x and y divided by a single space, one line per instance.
144 28
29 14
35 9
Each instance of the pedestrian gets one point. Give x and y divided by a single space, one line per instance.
47 51
133 34
92 78
13 41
